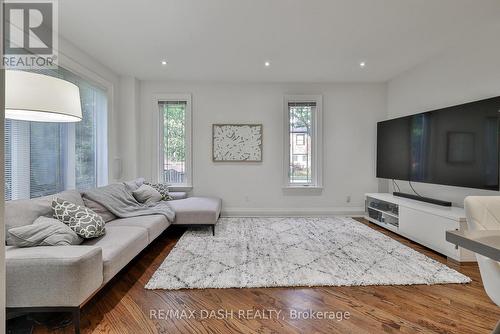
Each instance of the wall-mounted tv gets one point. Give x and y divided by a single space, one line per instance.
457 146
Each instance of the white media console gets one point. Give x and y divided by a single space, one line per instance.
423 223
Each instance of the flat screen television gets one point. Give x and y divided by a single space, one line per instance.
456 146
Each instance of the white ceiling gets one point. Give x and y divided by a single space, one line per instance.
305 40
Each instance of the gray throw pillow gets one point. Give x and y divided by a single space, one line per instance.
99 209
162 188
22 212
85 222
44 232
147 195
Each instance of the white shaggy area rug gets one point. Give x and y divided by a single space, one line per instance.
281 252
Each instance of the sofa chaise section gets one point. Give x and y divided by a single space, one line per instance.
197 211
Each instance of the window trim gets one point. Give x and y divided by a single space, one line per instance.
317 140
158 165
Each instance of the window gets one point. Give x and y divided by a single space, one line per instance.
303 141
175 140
46 158
300 139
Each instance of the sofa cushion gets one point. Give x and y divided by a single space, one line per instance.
85 222
44 232
154 224
25 211
52 275
99 209
119 246
196 210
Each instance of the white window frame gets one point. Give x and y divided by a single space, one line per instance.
316 139
158 166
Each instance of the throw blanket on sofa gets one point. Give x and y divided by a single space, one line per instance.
120 201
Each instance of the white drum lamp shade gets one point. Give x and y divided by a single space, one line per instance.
41 98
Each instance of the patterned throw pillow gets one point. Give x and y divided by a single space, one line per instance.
162 188
85 222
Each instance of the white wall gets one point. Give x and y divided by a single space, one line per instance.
467 72
128 125
350 114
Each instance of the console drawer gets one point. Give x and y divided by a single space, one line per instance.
428 230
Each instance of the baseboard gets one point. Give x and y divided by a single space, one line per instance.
292 212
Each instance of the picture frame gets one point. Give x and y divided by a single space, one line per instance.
237 142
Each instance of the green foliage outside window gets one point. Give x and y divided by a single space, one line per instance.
300 123
174 135
300 117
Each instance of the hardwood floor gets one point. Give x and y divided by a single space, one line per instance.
124 306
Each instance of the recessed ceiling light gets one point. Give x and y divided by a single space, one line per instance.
362 64
267 64
164 62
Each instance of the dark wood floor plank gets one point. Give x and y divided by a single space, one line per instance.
124 306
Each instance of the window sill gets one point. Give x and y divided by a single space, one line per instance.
180 187
295 190
302 187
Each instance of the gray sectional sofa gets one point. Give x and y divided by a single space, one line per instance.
64 278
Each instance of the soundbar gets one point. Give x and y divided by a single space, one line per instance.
422 199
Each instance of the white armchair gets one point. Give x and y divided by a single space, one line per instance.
483 213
